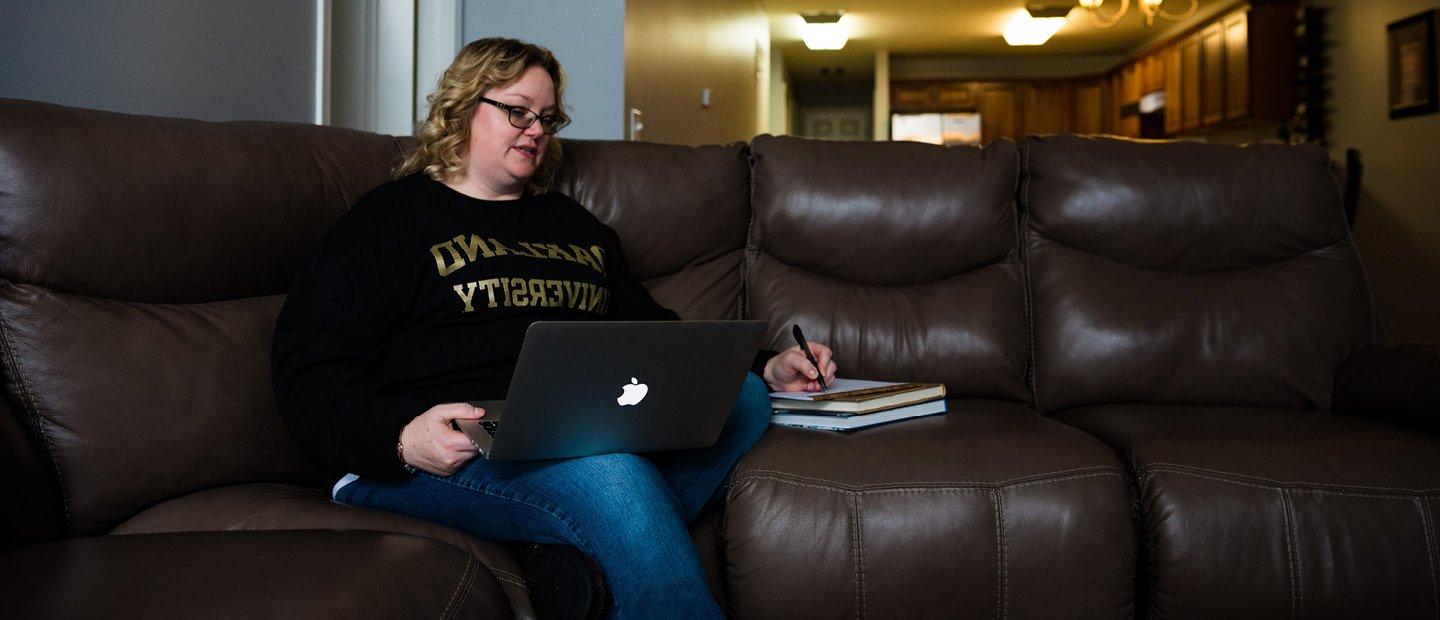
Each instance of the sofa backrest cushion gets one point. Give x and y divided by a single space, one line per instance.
171 210
1188 273
142 402
142 259
901 256
681 214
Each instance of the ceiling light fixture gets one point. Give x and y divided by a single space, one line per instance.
1150 8
825 31
1035 25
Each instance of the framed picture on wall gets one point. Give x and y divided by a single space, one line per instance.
1411 46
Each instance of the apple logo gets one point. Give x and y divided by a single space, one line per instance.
633 393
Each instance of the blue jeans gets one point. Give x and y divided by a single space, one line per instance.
628 512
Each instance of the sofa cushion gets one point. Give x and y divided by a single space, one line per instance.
681 214
171 210
1188 273
248 575
988 511
1275 512
138 402
901 256
268 507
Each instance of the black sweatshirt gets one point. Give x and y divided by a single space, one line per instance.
421 295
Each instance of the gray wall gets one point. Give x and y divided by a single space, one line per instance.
205 59
588 36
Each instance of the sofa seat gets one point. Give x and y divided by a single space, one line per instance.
988 511
1249 512
286 507
248 575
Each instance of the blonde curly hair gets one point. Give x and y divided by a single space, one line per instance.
481 65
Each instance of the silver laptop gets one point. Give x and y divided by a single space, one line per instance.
592 387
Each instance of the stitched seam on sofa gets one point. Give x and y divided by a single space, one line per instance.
1423 503
1292 553
961 275
1297 484
399 148
748 250
1043 477
856 558
1265 265
919 490
507 576
1002 585
1377 330
1022 244
35 417
1290 489
452 606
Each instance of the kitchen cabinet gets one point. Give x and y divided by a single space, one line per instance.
1237 65
1174 98
1212 74
1190 85
932 96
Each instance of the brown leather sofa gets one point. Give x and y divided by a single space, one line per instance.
1170 394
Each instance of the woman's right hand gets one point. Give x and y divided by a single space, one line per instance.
430 443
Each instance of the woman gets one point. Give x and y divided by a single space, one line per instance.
417 300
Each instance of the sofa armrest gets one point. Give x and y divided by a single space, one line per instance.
1395 383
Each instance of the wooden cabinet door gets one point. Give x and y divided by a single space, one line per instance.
912 96
1173 96
1134 77
1113 102
1191 65
1087 107
1212 103
1237 66
1044 108
1154 73
997 112
955 96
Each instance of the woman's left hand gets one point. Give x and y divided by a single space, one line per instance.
790 371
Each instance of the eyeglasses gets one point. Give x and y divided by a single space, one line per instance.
522 117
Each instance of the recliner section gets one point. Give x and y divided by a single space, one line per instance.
1193 307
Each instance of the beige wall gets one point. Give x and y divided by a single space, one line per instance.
1398 224
675 50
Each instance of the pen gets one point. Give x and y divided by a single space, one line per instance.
805 346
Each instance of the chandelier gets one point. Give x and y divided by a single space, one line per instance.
1151 9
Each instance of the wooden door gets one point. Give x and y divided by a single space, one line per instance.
1212 103
1087 107
1191 65
1154 73
1237 66
1113 102
1134 76
997 113
1044 108
1173 96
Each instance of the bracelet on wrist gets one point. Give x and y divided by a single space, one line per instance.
400 453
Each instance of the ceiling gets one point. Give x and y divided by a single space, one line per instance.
954 28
